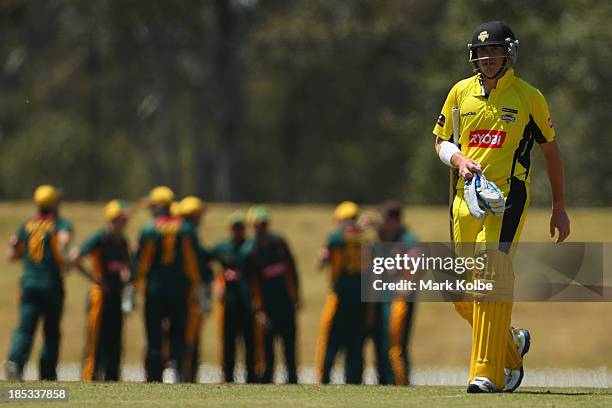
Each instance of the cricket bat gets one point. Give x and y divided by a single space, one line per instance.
454 173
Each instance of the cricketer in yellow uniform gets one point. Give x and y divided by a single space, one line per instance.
41 243
501 117
110 256
343 320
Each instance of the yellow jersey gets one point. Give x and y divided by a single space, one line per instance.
498 130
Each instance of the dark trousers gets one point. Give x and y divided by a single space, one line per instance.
158 308
380 335
344 330
283 325
34 304
237 322
104 334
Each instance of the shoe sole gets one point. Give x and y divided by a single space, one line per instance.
525 351
527 342
474 389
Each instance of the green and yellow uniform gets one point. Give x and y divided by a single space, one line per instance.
194 313
400 320
165 269
42 291
234 312
274 286
498 131
109 256
343 317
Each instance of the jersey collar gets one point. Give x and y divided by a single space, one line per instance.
505 80
502 83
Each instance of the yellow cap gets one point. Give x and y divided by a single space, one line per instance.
161 195
115 209
257 213
46 196
174 209
191 206
346 210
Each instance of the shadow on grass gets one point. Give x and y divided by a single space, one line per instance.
567 393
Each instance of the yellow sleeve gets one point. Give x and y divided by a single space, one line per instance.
545 132
191 262
145 259
444 124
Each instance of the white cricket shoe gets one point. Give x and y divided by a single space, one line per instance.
480 385
513 378
13 372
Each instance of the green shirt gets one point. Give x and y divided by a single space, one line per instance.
167 260
37 243
345 255
228 254
272 272
109 257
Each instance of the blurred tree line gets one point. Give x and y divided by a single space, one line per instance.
278 100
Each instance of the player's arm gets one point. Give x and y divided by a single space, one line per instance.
65 234
544 134
252 273
554 167
77 254
293 281
16 245
192 263
142 260
450 154
446 150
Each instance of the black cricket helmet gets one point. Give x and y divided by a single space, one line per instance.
494 33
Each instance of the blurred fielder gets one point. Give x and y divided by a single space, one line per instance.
42 242
192 209
234 312
501 116
110 258
343 320
166 270
275 291
402 309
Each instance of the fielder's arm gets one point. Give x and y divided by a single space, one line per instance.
76 259
554 167
16 248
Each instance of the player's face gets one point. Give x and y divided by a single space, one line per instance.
261 227
391 223
492 58
118 224
197 219
238 231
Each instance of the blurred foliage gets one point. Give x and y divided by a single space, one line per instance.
269 100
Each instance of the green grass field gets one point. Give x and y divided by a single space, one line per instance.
213 395
573 335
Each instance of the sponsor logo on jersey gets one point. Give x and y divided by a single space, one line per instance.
487 138
274 270
468 114
508 118
441 120
483 36
550 123
510 110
